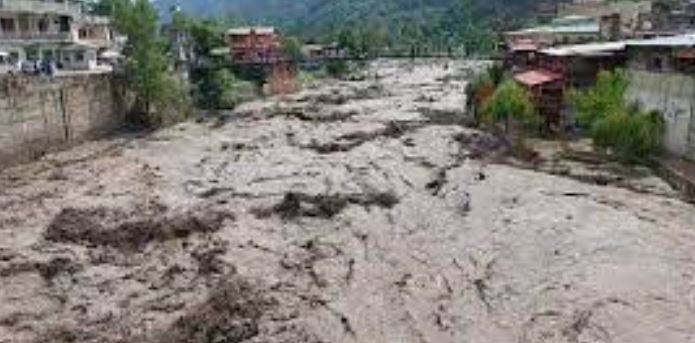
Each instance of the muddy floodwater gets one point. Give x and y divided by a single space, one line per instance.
354 211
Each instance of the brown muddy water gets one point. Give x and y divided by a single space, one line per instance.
351 212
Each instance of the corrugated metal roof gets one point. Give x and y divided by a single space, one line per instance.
576 29
523 46
537 77
685 40
607 48
569 24
239 31
591 49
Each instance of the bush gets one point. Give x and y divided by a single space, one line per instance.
220 89
495 73
337 68
481 89
606 97
234 90
630 134
511 101
174 103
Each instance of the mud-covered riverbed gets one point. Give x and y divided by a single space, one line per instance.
351 212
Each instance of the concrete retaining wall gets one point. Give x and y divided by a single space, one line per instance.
40 114
674 96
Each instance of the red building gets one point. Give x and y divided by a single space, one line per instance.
547 89
259 45
260 49
554 70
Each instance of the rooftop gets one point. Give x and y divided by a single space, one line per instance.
570 24
536 77
521 46
591 49
242 31
685 40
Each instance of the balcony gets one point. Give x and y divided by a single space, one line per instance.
66 7
35 37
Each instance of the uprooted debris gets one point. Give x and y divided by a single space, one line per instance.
56 266
477 144
373 91
102 226
231 314
332 99
48 270
314 114
435 186
65 334
446 117
209 261
296 205
353 140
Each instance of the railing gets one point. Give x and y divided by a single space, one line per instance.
38 36
41 6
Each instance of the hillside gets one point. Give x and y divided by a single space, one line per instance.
388 21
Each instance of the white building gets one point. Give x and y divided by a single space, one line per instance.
55 30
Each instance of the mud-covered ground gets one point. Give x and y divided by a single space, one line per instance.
355 211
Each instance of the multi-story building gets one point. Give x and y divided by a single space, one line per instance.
52 30
668 18
565 30
254 45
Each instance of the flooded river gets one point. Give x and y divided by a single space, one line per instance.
354 211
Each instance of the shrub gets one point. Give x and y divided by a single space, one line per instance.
174 103
495 72
629 133
511 101
481 89
606 97
234 90
220 89
337 68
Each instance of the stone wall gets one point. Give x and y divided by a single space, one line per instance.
41 114
674 96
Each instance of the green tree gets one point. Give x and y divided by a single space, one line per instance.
346 39
146 61
337 68
511 101
292 48
630 134
606 97
218 88
206 35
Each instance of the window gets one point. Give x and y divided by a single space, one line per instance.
32 54
43 25
7 24
64 23
47 55
23 21
79 56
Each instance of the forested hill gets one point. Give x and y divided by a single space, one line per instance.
387 21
